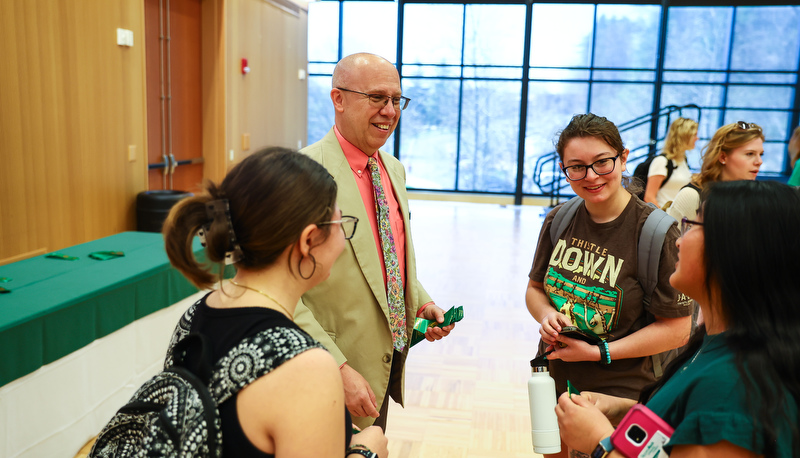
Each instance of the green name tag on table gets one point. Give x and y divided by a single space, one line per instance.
421 325
63 257
106 255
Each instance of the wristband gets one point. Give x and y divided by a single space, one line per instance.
603 448
605 355
359 449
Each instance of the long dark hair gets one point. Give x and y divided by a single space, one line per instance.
751 254
273 195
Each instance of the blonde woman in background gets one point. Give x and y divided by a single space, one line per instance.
681 137
734 153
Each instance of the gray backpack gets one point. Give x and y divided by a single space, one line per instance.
651 240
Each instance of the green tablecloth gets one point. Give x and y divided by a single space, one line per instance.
58 306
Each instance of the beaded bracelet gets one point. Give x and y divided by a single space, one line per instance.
605 355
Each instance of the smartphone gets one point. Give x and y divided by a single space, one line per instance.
641 434
577 333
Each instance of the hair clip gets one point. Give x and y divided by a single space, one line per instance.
220 208
201 234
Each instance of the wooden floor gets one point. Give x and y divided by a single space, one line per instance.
467 394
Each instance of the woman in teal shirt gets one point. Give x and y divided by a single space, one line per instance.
794 154
735 391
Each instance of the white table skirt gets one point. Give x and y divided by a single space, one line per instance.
55 410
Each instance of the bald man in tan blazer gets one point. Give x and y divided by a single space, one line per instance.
349 312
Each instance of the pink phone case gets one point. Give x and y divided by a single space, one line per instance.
641 433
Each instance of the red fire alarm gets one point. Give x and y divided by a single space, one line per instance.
245 68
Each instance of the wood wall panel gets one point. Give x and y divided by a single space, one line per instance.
71 103
214 89
269 103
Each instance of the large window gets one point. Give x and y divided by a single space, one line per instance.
492 83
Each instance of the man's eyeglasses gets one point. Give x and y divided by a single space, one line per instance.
686 225
380 100
348 223
747 125
601 167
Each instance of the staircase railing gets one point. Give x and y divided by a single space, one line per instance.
547 174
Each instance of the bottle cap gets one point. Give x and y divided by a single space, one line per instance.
540 364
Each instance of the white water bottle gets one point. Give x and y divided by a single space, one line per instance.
542 399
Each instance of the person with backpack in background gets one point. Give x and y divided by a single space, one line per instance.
275 218
668 172
588 277
734 153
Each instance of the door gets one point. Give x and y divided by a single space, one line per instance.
174 109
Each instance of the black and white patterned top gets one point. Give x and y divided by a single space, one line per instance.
246 343
252 357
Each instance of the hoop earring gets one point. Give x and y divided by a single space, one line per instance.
300 265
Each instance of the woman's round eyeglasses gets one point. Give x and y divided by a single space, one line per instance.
601 167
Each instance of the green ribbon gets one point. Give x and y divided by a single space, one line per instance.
571 389
61 256
421 325
106 255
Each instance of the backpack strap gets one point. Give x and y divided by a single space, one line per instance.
203 366
256 356
562 218
651 241
670 168
693 186
181 331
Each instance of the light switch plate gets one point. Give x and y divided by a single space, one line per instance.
124 37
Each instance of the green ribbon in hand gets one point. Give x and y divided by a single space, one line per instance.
421 325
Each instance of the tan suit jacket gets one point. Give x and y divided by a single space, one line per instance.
349 312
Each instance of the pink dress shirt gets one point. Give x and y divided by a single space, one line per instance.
358 164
